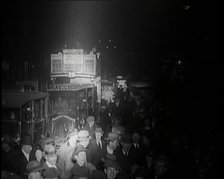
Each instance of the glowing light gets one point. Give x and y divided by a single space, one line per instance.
187 7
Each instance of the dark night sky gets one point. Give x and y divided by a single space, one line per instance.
144 33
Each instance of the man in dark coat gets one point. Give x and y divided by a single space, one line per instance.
21 158
96 148
111 146
137 150
123 154
6 153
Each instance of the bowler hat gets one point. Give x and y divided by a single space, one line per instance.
90 119
26 140
111 163
79 148
111 136
33 166
83 135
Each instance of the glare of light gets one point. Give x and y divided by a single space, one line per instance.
179 62
187 7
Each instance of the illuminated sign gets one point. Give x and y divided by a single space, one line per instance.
90 64
56 63
69 87
73 62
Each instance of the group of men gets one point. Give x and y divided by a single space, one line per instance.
86 154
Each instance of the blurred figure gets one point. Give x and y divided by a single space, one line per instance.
123 154
63 152
116 109
112 142
137 150
119 130
6 153
90 126
161 167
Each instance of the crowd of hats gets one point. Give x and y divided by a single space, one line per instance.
49 148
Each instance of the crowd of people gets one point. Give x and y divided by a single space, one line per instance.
129 142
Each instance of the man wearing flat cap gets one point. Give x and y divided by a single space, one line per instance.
34 170
21 158
123 153
51 170
111 168
90 125
137 150
79 169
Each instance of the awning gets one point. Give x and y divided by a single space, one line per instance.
17 99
